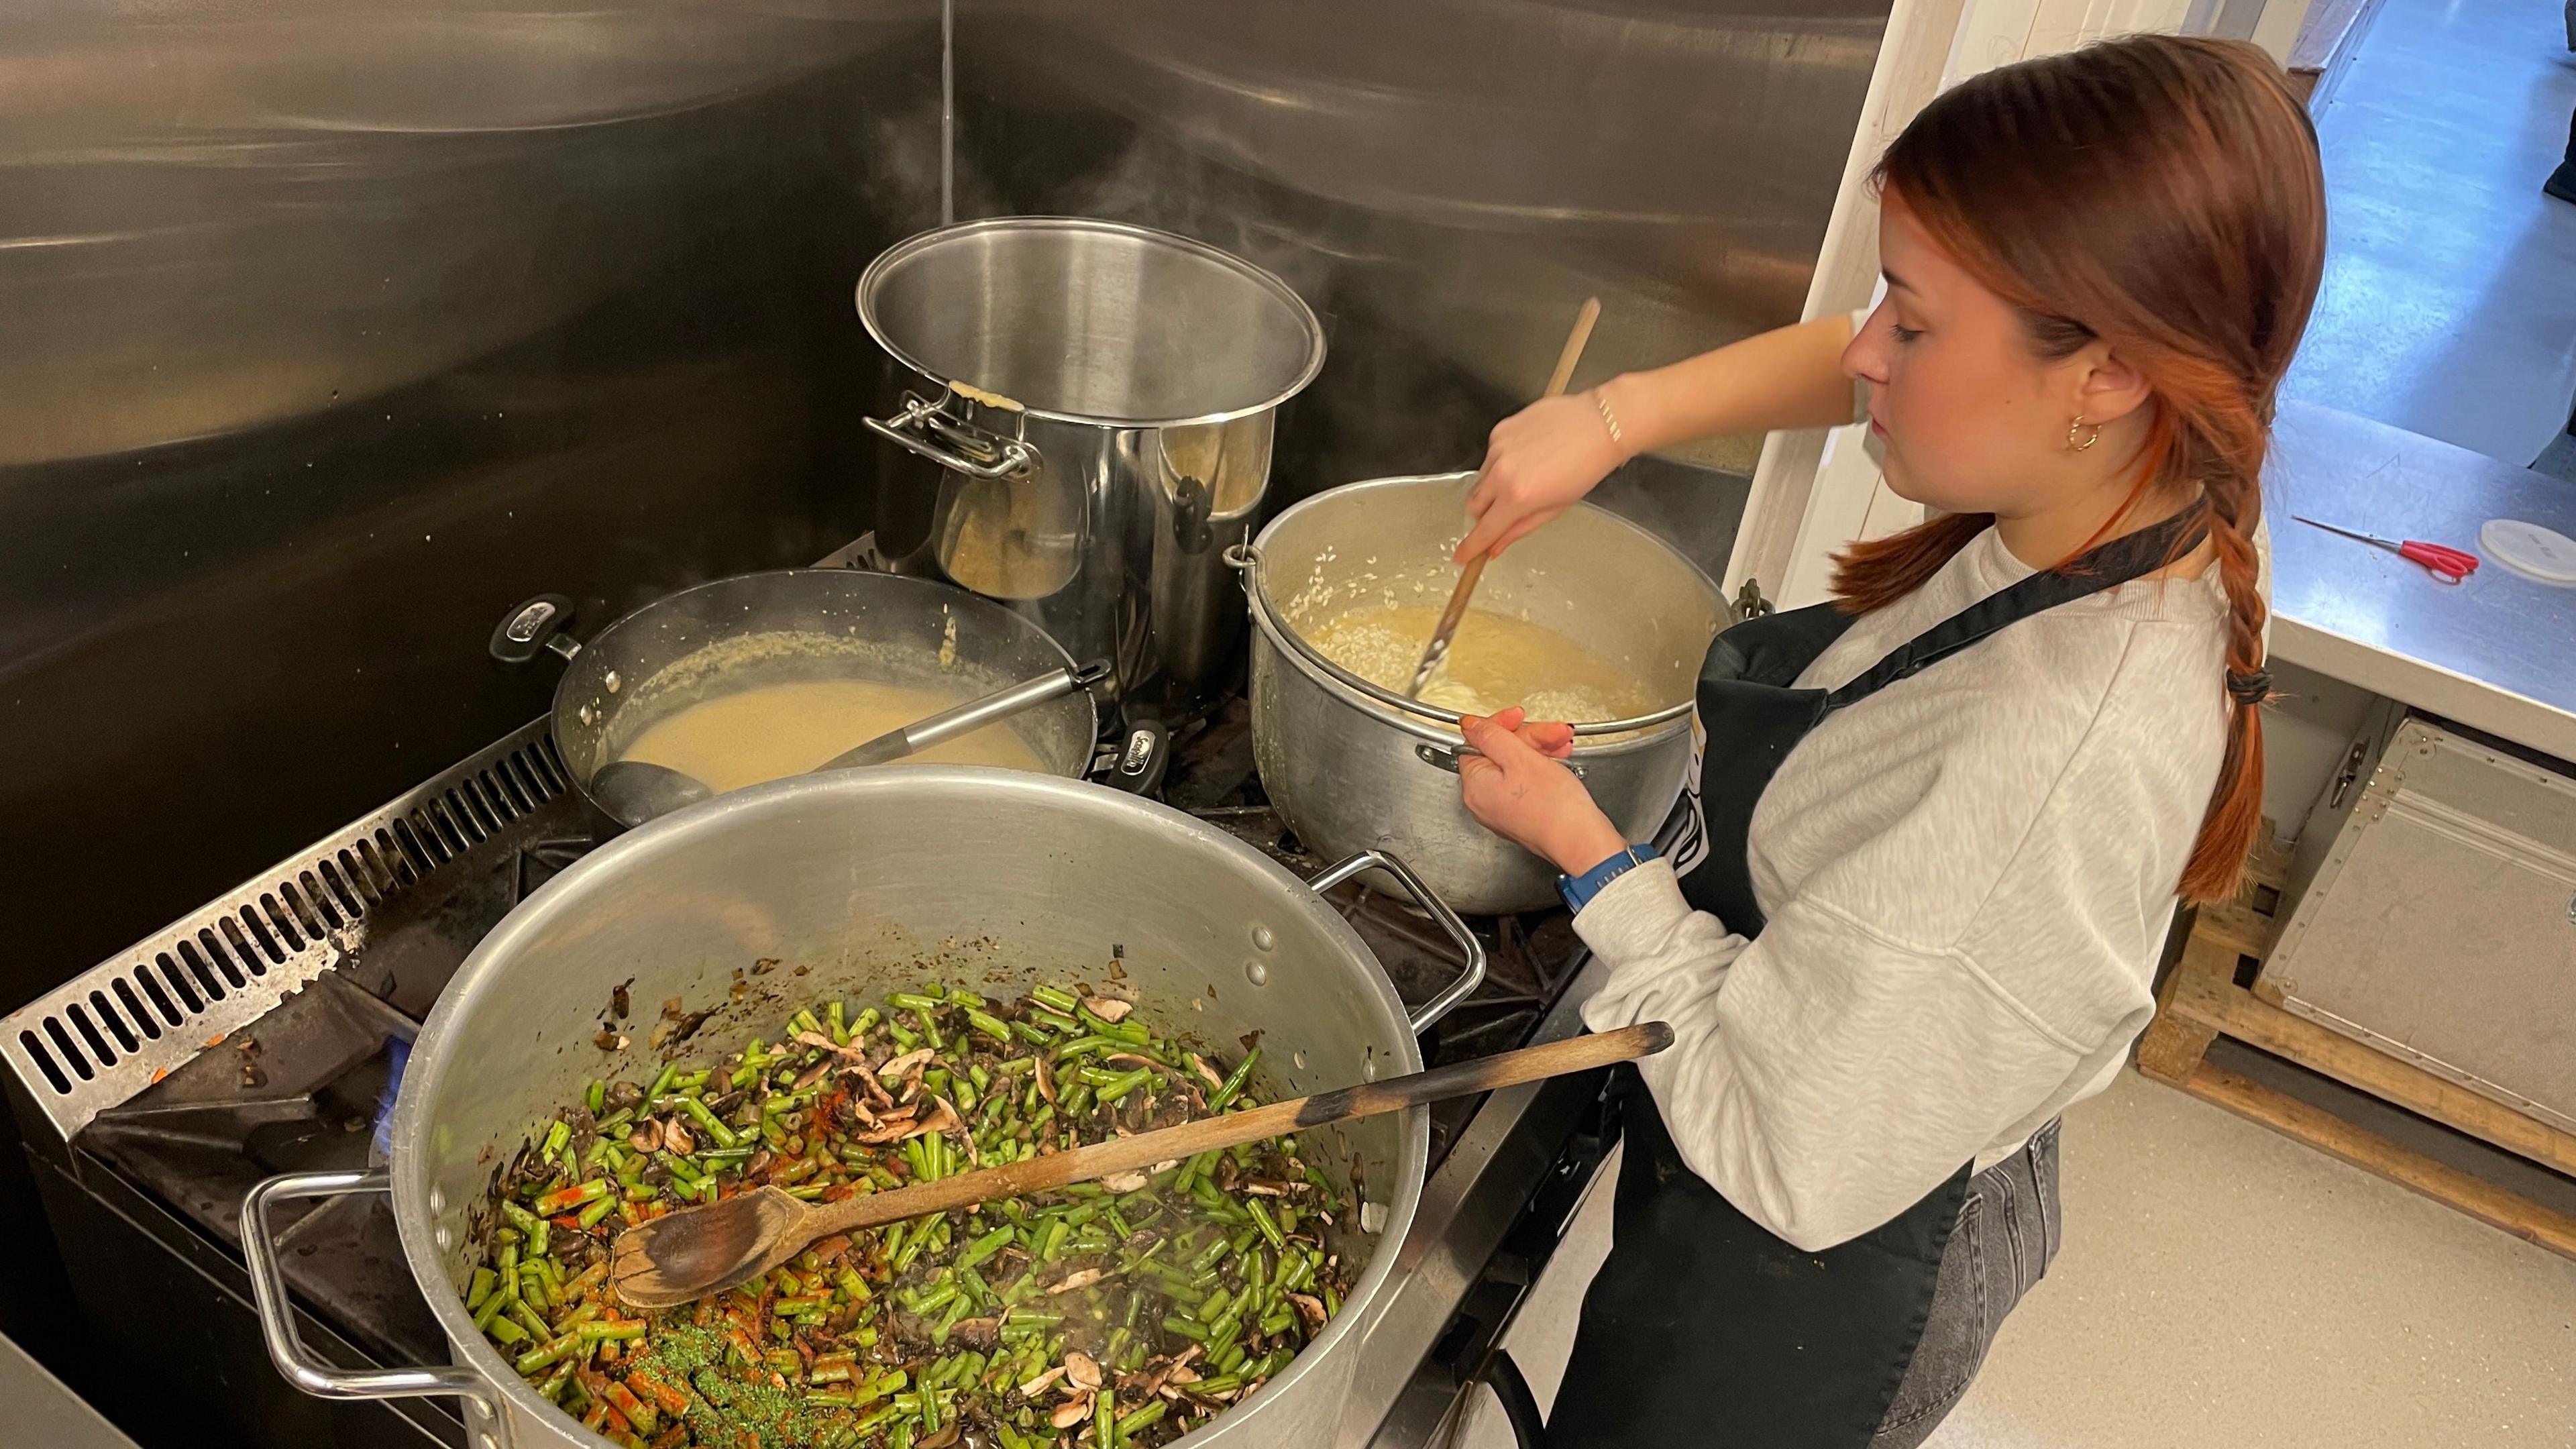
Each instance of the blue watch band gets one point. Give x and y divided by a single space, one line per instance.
1579 890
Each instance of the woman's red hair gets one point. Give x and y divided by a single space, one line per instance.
2161 194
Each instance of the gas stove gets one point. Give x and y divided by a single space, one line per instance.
258 1035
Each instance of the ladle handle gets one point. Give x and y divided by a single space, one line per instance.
973 715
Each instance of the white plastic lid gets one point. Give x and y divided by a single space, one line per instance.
2531 550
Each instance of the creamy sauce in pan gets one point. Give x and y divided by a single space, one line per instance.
777 730
1494 662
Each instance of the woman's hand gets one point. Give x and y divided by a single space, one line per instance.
1539 462
1517 788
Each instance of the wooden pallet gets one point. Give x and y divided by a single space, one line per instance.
2201 1001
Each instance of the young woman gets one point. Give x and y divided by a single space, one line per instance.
1948 814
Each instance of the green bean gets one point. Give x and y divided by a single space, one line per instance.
705 1117
1261 1219
1233 1085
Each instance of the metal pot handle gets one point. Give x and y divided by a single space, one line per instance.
1447 919
1446 757
491 1428
532 627
923 429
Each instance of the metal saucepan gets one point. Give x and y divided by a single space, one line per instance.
792 625
1352 766
865 879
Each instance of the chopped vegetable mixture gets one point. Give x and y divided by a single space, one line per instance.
1124 1312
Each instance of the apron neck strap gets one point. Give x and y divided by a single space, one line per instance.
2130 556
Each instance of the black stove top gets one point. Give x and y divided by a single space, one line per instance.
303 1087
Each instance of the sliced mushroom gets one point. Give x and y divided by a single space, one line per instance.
1124 1182
1046 1082
1071 1412
678 1138
1080 1370
943 1118
920 1057
1040 1384
1083 1279
1199 1064
1310 1308
820 1042
1262 1187
1108 1009
647 1136
945 1437
1147 1385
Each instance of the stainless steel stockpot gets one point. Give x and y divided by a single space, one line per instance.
1353 766
1101 399
869 879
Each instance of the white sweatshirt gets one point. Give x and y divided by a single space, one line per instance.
1968 877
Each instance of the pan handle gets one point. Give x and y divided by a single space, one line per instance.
489 1425
1447 919
923 429
533 626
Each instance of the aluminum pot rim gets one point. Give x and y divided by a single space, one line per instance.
438 1044
562 706
1408 715
883 264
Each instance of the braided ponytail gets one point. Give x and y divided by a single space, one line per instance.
2162 194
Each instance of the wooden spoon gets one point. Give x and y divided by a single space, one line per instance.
1438 648
696 1251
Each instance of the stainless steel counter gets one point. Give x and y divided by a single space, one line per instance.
2496 653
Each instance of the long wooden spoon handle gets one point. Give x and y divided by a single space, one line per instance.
1573 353
1231 1129
1474 568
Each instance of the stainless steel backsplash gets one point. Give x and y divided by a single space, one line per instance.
329 328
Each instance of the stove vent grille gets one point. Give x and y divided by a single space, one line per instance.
94 1042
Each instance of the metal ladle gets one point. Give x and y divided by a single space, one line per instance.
974 714
635 791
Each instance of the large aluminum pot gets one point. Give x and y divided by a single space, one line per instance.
870 878
1352 766
786 626
1101 398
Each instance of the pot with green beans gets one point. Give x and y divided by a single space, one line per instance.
846 985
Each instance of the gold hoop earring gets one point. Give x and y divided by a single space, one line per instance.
2090 438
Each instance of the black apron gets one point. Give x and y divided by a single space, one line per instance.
1703 1328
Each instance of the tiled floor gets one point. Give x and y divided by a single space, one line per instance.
2450 299
2223 1286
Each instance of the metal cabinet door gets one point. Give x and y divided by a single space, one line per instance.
2440 924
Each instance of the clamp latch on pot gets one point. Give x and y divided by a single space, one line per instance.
934 429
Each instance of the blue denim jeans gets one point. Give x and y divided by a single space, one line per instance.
2008 1231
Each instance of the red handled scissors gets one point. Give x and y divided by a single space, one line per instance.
2450 565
